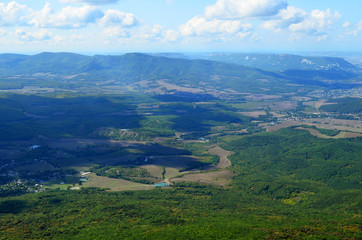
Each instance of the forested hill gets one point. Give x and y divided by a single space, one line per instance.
124 65
134 67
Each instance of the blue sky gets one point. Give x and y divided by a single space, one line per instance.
118 26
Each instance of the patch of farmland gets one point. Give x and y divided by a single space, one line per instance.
316 133
114 184
219 178
170 86
254 114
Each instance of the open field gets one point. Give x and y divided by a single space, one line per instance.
170 86
277 115
114 184
260 97
320 103
316 133
154 170
219 178
332 124
260 104
224 161
215 176
253 114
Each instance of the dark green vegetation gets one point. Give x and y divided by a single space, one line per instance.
344 105
115 117
289 163
119 123
131 174
288 184
82 73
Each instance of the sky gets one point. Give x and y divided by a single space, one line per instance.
119 26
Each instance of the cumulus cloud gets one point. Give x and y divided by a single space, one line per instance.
316 23
12 13
92 2
286 17
40 35
297 21
159 33
170 36
115 32
2 32
115 17
199 26
231 9
346 24
68 17
353 29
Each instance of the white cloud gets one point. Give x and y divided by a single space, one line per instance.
2 32
12 13
346 24
115 17
68 17
170 36
92 2
318 22
158 33
115 32
286 17
359 26
40 35
296 21
231 9
353 29
199 26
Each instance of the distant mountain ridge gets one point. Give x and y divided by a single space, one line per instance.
282 62
131 68
132 65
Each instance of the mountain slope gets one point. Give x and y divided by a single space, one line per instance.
80 70
282 62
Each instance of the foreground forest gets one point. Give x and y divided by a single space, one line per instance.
297 187
157 153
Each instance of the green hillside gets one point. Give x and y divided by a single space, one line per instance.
70 71
287 185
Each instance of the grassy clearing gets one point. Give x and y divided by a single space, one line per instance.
154 170
219 178
170 86
254 114
114 184
340 135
